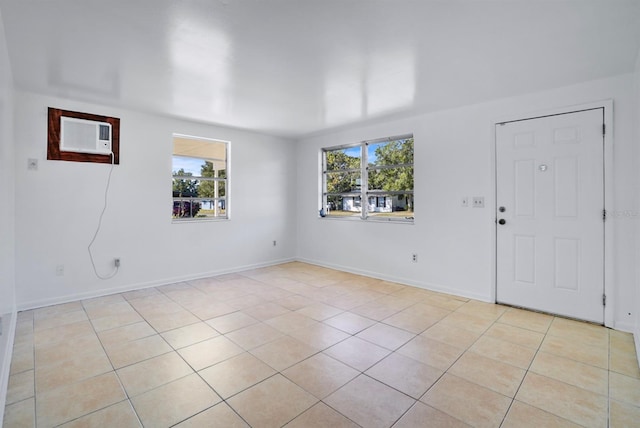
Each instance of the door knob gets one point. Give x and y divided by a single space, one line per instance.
502 221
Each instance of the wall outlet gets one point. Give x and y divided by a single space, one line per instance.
464 201
32 164
60 270
274 243
414 258
477 202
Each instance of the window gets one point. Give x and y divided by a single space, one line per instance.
200 174
379 172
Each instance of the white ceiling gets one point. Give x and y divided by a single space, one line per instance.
295 67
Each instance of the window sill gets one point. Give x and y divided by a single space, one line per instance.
369 219
197 220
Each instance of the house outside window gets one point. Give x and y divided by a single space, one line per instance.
200 176
379 172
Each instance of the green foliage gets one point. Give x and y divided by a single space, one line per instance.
183 187
207 188
398 152
341 181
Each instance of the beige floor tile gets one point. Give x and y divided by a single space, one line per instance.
572 372
231 322
492 374
265 311
138 294
207 310
350 323
113 321
505 352
21 414
60 319
284 352
579 331
592 355
71 369
467 322
320 375
467 401
319 311
526 319
621 341
218 416
100 302
405 374
294 302
117 336
369 403
189 335
64 333
290 321
134 351
236 374
624 388
377 310
254 335
174 402
386 336
57 310
578 405
152 373
422 415
454 336
58 352
357 353
625 363
172 320
522 415
20 387
517 335
451 303
262 405
23 358
417 319
119 415
320 336
72 401
246 301
624 415
209 352
431 352
489 311
321 416
101 308
352 299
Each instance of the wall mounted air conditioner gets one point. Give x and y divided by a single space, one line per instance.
85 136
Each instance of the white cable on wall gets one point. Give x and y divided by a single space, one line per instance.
95 235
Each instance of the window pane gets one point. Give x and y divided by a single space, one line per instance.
348 158
393 206
395 152
343 182
343 206
186 166
391 179
185 188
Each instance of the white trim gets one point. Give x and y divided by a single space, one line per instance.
6 362
400 280
34 304
609 278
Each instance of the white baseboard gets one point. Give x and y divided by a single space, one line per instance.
10 330
424 285
34 304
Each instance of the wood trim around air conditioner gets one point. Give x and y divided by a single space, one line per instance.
53 138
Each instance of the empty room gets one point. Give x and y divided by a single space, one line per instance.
320 213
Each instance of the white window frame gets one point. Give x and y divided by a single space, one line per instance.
217 199
364 193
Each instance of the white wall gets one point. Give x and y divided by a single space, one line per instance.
7 240
58 207
637 211
453 158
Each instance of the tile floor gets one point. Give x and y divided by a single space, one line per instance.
304 346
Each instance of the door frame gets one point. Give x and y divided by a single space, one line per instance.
609 274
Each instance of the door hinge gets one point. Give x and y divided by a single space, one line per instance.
604 215
604 129
604 300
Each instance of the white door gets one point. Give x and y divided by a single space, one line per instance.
549 210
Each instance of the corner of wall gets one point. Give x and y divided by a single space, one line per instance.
636 330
